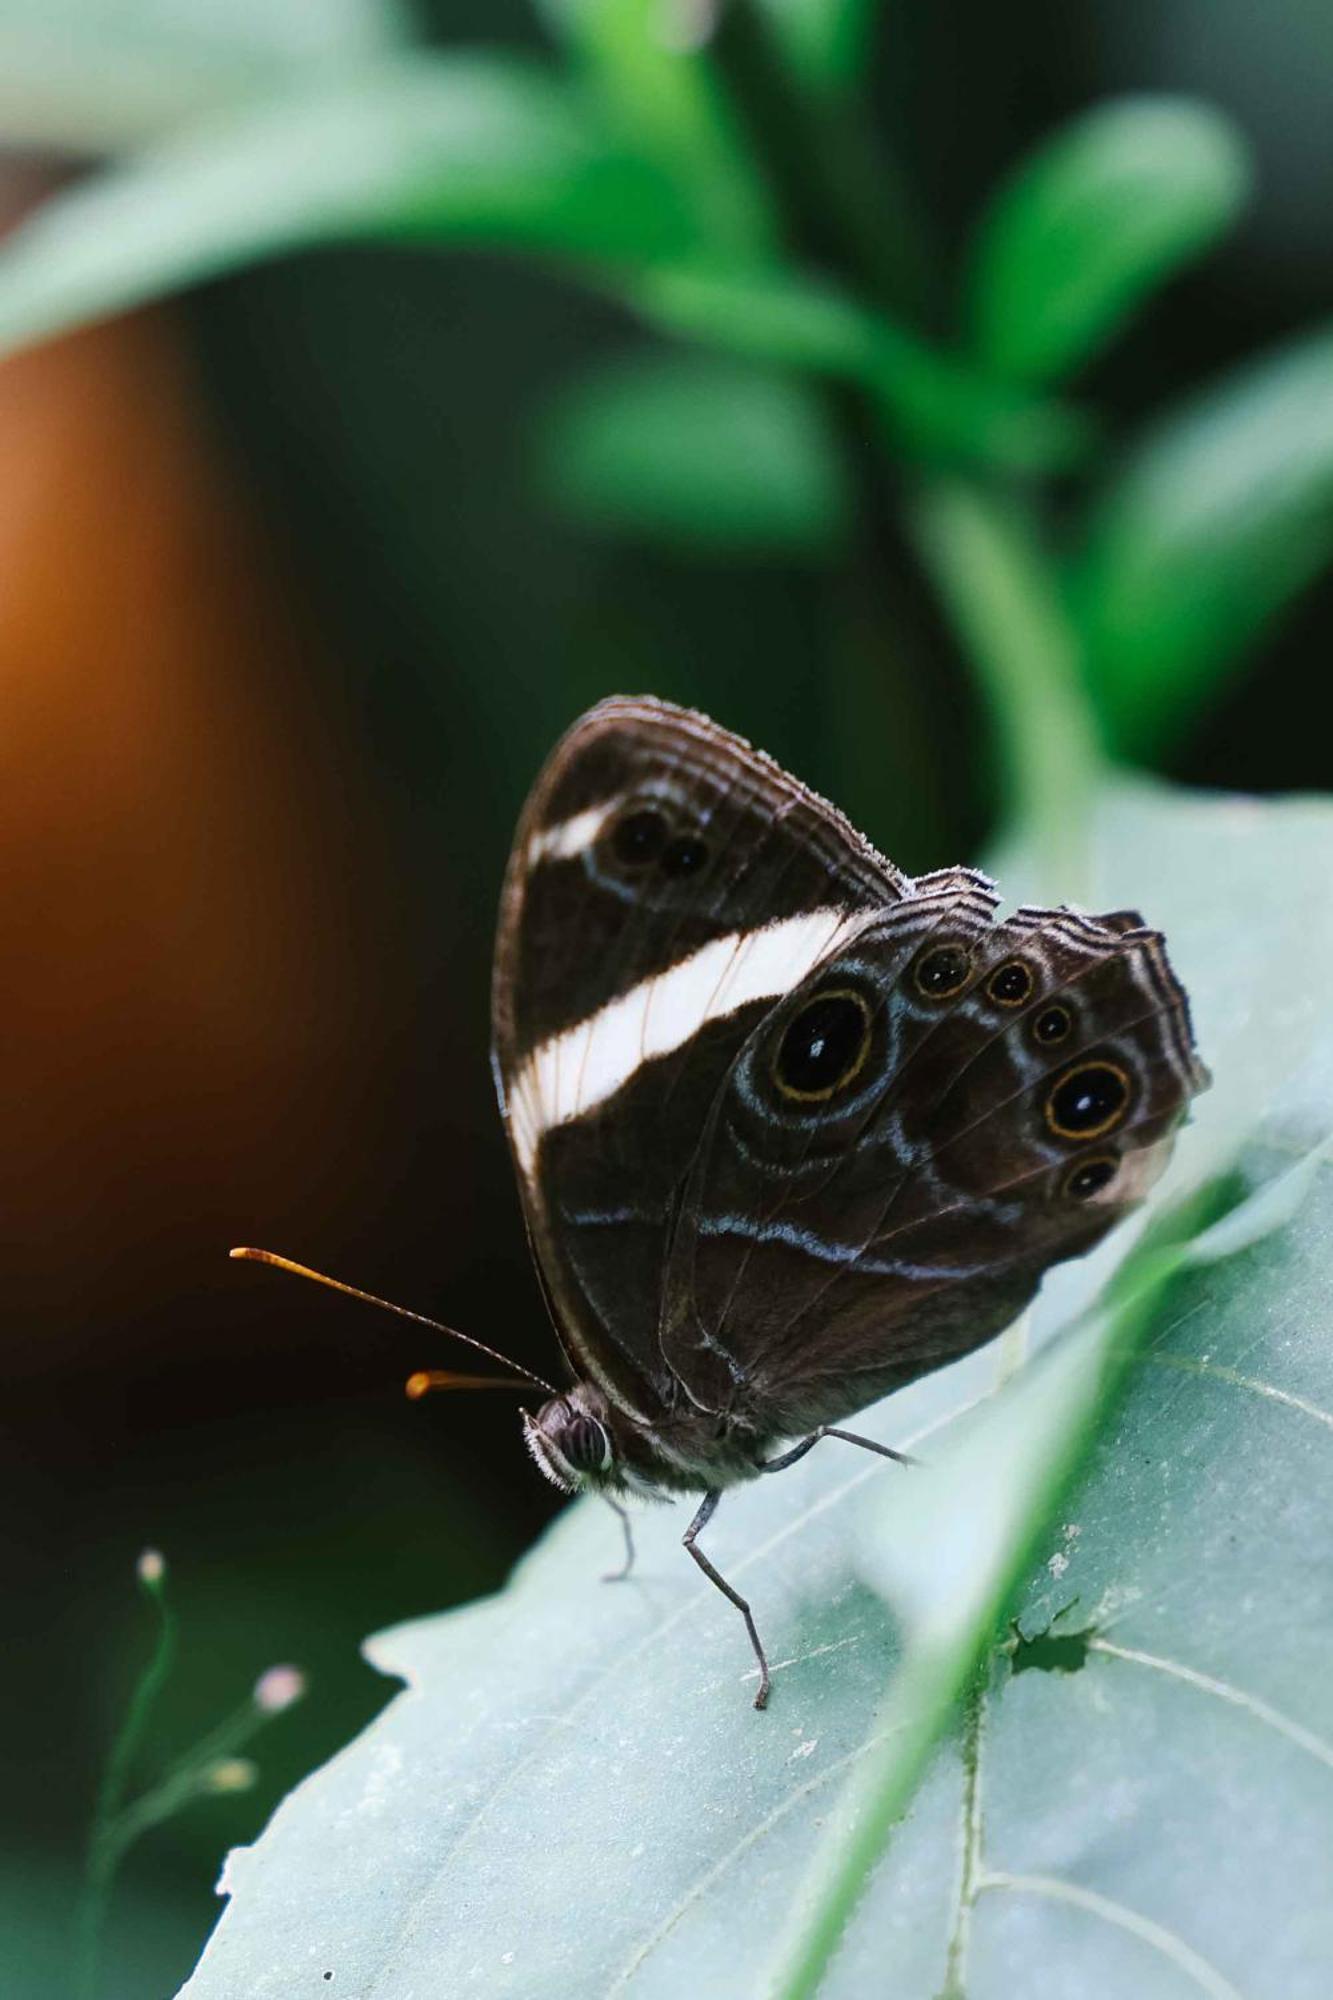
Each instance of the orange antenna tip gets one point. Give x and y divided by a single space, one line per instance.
423 1380
245 1255
427 1378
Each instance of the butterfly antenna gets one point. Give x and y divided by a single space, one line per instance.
425 1378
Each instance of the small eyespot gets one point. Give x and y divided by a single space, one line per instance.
1052 1025
824 1047
639 836
1089 1177
943 971
1088 1101
684 856
1010 984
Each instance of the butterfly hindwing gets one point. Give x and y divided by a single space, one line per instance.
1014 1097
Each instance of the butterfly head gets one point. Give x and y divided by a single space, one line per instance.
570 1439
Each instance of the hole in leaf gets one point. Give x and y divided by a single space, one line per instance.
1049 1651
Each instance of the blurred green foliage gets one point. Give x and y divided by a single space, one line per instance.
699 452
1211 522
655 162
1090 225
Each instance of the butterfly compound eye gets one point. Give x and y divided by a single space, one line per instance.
584 1444
1088 1101
824 1047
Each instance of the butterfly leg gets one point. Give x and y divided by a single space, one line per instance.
619 1575
707 1508
787 1458
869 1444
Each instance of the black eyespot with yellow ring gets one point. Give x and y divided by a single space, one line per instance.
1089 1101
1052 1026
1011 983
1087 1178
942 971
824 1046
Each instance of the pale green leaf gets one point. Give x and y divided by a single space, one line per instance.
1100 216
696 450
97 75
459 148
573 1796
1216 519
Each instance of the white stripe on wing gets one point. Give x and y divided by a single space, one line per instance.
578 1069
571 836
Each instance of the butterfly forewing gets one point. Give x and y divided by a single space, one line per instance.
667 885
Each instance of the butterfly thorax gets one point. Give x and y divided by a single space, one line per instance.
581 1440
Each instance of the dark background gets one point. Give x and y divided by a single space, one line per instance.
287 629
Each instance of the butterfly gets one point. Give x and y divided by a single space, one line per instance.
790 1127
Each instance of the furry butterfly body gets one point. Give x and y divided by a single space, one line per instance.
790 1127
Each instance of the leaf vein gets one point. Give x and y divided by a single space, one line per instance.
1205 1975
1187 1364
1223 1691
703 1883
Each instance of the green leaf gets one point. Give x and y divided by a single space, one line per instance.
575 1796
1085 229
699 451
657 88
937 409
1212 524
93 75
826 41
457 148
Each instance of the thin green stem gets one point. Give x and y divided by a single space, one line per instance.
843 200
984 558
103 1850
231 1735
189 1780
1001 593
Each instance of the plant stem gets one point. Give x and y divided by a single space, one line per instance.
844 201
985 560
1001 593
104 1849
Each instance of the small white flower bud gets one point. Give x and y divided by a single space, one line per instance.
231 1774
278 1689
